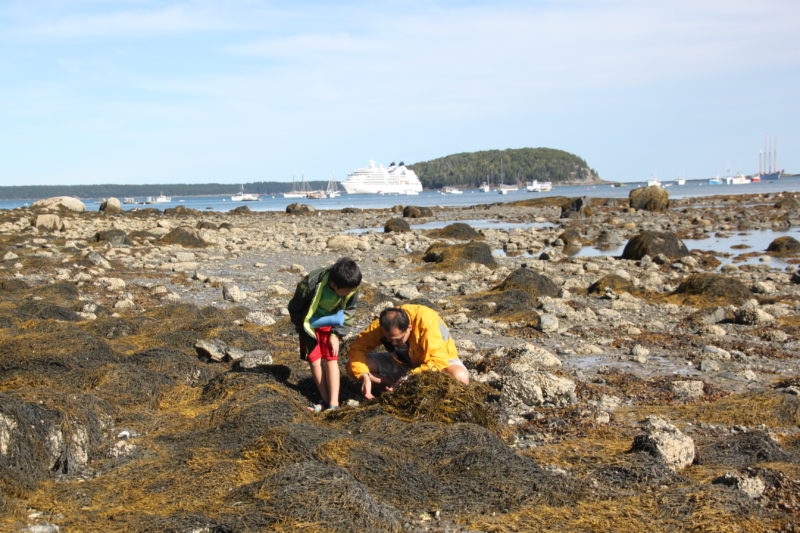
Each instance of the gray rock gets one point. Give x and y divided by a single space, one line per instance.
214 350
751 486
232 293
255 359
67 203
260 318
665 442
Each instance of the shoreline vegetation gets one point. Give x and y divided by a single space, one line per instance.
150 380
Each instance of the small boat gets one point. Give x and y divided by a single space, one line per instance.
242 196
654 182
680 181
485 187
538 186
715 181
129 200
738 179
452 190
160 199
505 189
316 195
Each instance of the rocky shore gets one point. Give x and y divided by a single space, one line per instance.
149 379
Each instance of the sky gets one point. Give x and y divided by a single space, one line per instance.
201 91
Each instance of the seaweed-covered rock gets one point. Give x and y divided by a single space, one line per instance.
242 210
459 255
653 243
612 282
577 208
184 236
300 209
785 244
458 230
713 289
533 283
205 224
652 198
413 211
397 225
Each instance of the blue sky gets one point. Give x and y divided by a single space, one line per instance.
141 91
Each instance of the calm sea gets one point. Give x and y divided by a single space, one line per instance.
435 198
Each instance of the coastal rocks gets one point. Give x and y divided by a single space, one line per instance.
751 486
116 237
524 388
111 206
530 282
300 209
665 442
610 284
459 255
652 198
184 236
396 225
704 290
343 243
412 211
65 203
458 230
577 208
653 243
48 223
784 245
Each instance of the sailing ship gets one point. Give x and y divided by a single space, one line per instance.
295 192
242 196
768 161
396 179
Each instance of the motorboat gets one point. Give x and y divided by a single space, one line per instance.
538 186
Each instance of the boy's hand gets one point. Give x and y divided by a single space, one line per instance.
335 343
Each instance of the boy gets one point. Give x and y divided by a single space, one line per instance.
322 311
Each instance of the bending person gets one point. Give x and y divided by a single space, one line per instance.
416 339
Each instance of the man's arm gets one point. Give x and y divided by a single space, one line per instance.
366 341
435 344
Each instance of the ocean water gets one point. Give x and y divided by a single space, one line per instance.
430 198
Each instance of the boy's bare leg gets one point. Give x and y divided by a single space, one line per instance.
332 379
319 379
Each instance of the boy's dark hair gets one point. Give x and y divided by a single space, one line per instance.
345 274
394 317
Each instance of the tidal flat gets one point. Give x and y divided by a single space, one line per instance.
150 378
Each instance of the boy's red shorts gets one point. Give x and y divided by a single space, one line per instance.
323 349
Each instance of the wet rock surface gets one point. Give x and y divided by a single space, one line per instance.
149 375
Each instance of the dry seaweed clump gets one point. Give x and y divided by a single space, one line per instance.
436 397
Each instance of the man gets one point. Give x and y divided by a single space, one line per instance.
417 340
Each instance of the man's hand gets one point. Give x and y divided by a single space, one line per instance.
366 386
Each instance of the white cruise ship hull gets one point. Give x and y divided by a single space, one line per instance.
380 180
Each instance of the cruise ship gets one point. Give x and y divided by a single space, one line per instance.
396 179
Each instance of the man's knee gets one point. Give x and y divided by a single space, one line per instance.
459 373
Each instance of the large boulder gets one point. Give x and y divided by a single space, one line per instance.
114 236
184 236
342 243
111 206
65 203
783 245
577 208
413 211
459 255
533 283
299 209
610 283
396 225
653 243
652 198
458 230
712 289
48 223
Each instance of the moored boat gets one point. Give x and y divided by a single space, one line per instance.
538 186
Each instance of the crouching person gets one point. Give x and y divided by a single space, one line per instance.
322 311
416 339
